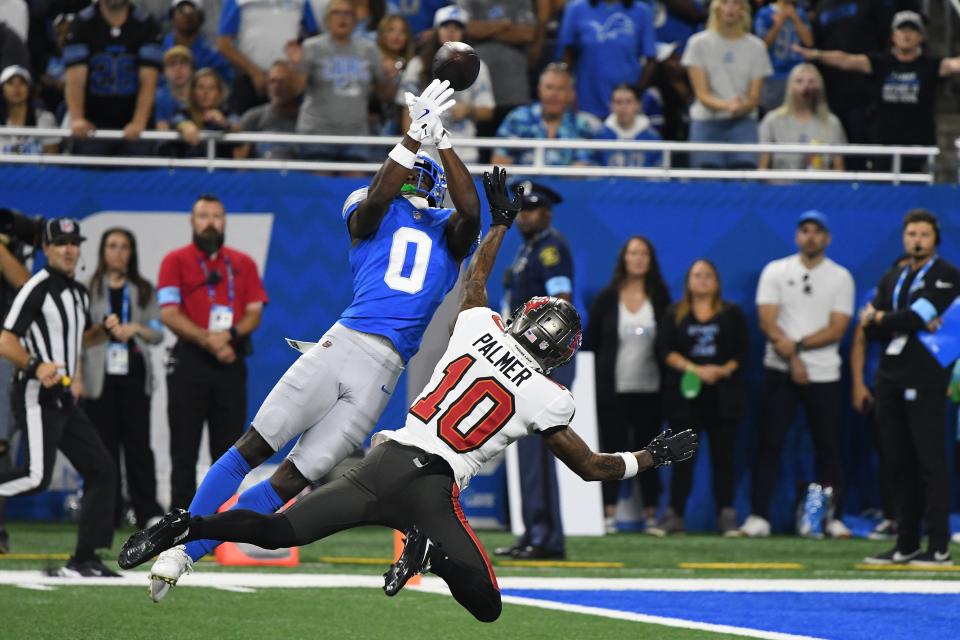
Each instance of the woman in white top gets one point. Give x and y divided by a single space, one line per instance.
17 110
622 332
803 118
727 65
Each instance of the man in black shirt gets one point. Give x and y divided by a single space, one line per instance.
905 80
911 387
113 57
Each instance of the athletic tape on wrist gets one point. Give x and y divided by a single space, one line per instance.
403 156
632 466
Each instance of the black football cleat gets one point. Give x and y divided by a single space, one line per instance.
414 559
147 543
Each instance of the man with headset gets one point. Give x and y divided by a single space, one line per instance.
911 387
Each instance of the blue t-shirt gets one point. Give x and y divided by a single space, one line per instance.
609 41
401 273
166 106
672 28
419 13
782 56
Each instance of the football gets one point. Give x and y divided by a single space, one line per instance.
458 63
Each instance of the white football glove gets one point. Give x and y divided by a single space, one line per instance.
439 136
425 110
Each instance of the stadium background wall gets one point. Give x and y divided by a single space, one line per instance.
299 236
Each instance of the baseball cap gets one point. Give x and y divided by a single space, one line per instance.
15 70
538 195
907 19
196 3
62 230
451 13
814 216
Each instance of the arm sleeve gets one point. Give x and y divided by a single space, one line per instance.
229 18
768 291
24 310
843 298
761 61
169 282
558 413
75 49
150 53
692 56
151 318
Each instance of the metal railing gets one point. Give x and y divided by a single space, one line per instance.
666 171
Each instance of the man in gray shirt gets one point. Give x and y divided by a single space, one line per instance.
339 73
279 115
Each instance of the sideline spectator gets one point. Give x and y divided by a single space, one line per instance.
338 73
172 94
703 341
395 42
603 41
117 373
804 118
622 332
252 36
907 79
911 390
553 117
781 24
277 116
16 15
204 112
474 104
502 31
17 110
12 49
53 80
727 65
113 57
625 122
804 302
211 297
369 15
187 17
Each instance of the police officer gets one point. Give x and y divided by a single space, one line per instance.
910 390
43 336
543 267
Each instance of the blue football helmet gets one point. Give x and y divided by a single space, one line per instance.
430 181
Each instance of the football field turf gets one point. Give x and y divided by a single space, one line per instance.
693 586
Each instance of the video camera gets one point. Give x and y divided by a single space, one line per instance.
19 226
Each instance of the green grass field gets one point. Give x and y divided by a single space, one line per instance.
207 613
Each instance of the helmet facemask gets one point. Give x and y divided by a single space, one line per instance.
429 181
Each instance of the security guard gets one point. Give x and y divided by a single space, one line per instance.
910 390
543 266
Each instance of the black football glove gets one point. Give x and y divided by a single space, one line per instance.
667 448
502 209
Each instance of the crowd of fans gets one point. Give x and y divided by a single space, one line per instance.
738 71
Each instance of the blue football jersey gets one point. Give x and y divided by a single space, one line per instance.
401 273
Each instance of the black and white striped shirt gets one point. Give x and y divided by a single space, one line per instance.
49 315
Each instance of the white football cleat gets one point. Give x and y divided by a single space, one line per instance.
169 566
755 527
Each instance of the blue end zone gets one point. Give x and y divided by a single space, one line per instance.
838 616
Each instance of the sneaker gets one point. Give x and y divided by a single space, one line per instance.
609 524
727 522
93 568
169 567
885 530
147 543
650 525
414 559
955 539
755 527
670 523
893 556
932 559
838 530
4 541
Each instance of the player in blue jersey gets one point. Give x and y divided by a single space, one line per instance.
405 256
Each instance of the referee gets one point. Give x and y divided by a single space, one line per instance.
911 391
43 336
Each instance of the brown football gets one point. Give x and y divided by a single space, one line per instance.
458 63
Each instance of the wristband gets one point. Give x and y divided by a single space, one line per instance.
798 345
403 156
31 369
631 464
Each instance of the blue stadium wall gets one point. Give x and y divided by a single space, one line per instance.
739 226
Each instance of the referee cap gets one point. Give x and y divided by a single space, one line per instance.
61 231
814 216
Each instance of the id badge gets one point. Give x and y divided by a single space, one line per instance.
221 318
896 345
118 359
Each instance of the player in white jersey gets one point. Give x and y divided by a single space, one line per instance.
488 390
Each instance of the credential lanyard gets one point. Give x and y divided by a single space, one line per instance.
125 305
206 278
903 278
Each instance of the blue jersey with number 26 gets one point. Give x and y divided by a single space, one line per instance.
401 273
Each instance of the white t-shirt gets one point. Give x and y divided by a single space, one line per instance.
484 395
730 66
636 370
806 298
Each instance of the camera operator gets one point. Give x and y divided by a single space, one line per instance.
14 252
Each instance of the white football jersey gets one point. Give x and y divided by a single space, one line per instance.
484 394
